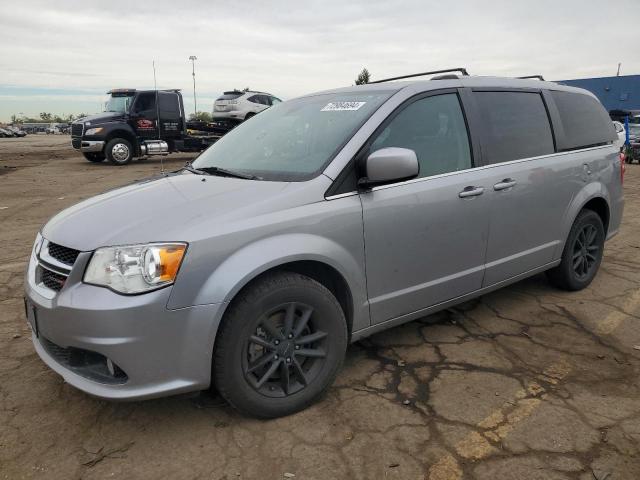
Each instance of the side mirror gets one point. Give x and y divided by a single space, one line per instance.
390 164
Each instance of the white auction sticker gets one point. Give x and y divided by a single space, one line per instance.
341 106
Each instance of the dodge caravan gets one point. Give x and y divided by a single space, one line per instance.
321 221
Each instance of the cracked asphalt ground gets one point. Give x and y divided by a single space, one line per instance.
525 383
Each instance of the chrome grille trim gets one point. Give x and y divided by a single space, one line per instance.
50 274
77 129
47 258
63 254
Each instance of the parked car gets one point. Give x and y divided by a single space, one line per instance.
17 132
633 151
621 132
323 220
236 106
6 133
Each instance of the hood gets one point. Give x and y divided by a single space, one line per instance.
179 207
98 118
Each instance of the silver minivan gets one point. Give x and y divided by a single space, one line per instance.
316 223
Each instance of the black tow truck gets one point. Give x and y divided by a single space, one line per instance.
137 123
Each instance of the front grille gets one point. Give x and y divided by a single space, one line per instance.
75 143
77 129
65 255
52 280
88 364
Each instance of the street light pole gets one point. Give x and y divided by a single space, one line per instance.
193 59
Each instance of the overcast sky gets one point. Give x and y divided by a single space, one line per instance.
61 56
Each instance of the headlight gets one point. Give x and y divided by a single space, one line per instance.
135 268
93 131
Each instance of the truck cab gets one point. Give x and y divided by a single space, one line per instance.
134 123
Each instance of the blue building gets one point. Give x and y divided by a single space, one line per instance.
615 93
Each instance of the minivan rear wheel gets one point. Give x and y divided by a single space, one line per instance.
582 253
280 345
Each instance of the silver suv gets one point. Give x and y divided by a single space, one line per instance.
237 106
321 221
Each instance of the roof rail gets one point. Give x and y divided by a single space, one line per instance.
463 71
539 77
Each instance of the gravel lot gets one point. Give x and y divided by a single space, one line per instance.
525 383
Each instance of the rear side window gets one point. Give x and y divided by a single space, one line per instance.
584 121
516 125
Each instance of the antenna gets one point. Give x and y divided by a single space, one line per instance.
155 87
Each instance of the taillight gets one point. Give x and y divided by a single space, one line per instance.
622 166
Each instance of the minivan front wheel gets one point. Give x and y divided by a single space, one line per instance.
582 253
280 346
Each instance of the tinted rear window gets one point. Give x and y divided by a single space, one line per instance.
584 121
516 125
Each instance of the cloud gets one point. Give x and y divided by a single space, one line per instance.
290 48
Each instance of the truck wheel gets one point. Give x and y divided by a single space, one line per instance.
582 253
119 151
280 345
96 157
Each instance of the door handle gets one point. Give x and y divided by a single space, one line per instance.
504 184
471 192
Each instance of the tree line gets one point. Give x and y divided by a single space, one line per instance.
47 117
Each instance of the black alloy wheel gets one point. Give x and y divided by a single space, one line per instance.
586 251
280 345
285 352
582 253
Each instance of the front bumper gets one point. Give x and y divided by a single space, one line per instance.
88 145
160 351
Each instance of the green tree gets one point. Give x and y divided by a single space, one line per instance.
363 77
201 116
45 116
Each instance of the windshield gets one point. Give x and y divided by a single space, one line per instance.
294 140
117 104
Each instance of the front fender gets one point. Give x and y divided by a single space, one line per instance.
251 260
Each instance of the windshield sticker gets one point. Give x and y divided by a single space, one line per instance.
342 106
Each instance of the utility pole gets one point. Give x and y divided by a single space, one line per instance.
193 59
618 74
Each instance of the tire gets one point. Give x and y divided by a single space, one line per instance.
262 364
249 115
95 157
582 253
119 151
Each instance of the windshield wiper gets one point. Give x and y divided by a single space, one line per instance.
228 173
195 171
